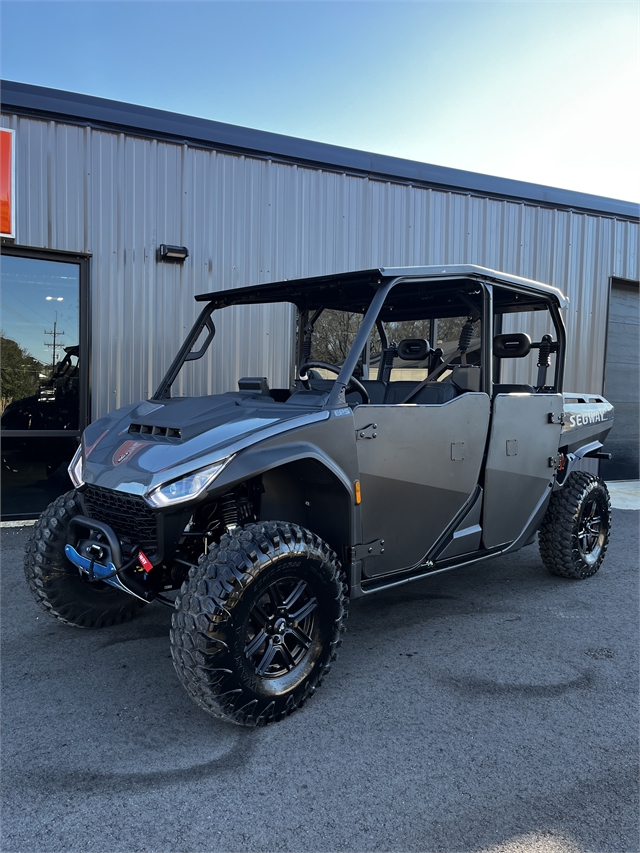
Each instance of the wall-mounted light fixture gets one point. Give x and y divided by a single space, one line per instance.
175 254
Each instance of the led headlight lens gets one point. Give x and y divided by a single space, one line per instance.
186 488
75 468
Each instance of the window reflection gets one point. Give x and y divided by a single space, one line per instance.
34 473
55 398
39 345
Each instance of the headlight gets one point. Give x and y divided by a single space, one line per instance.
75 468
186 488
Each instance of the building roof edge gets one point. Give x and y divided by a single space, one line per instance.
40 101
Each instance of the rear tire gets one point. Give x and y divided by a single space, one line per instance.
57 585
574 533
258 622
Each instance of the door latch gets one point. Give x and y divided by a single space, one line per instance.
556 418
367 432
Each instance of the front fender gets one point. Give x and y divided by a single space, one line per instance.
308 479
258 460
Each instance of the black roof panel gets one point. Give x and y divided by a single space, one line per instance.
423 291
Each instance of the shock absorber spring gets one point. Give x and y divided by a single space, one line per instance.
388 355
466 334
306 343
544 360
229 511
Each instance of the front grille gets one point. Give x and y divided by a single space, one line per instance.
129 516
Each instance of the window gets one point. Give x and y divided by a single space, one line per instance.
333 334
432 320
43 380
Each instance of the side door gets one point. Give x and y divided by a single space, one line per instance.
418 465
525 432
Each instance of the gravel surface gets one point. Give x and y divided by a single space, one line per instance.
494 708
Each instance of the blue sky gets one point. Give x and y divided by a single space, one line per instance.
539 91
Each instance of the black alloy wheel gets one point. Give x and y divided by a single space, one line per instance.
591 531
281 628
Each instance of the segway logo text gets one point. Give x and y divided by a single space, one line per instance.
587 418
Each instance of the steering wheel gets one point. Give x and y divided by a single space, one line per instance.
353 383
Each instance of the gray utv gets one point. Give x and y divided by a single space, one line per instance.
424 430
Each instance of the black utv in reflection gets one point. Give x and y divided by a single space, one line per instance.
424 429
55 404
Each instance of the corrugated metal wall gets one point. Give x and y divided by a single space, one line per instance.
249 220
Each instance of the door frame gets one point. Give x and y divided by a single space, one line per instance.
83 261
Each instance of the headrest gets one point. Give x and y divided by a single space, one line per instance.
413 349
514 345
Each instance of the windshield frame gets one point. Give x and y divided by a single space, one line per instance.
163 391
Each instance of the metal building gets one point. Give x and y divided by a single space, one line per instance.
99 186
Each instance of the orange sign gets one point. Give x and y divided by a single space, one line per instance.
6 182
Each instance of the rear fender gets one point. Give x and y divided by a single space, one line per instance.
572 462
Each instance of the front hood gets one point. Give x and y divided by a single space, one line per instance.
139 447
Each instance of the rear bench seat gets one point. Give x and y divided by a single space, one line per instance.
513 389
395 392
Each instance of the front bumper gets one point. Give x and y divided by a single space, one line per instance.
101 559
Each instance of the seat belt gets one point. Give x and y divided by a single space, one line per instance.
433 375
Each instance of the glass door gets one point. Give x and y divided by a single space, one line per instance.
43 392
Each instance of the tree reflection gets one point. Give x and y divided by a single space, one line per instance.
20 372
38 396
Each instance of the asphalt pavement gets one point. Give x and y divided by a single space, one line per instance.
493 708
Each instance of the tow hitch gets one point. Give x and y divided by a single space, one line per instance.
95 570
102 561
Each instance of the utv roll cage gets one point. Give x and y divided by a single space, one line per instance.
427 292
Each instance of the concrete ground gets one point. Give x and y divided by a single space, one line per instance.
494 708
625 494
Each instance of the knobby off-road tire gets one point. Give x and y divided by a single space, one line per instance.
258 622
574 533
57 585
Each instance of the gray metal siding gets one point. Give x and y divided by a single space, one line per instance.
133 120
249 220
